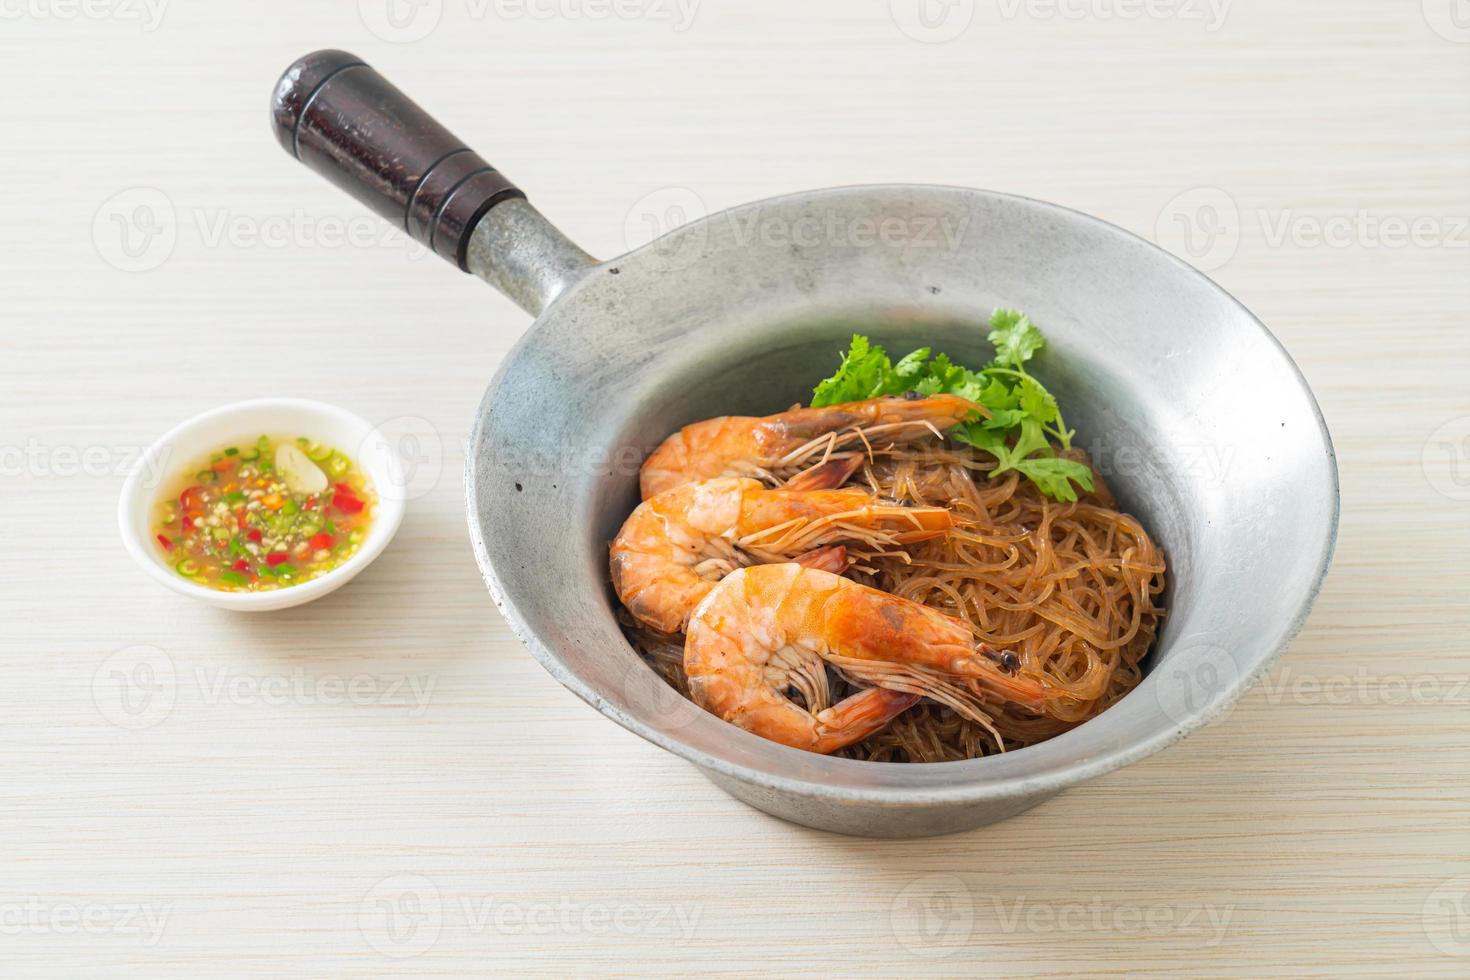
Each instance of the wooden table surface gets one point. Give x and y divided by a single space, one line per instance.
385 782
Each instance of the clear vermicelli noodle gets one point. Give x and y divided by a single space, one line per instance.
1069 589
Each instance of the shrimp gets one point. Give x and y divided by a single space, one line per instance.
762 624
737 445
674 547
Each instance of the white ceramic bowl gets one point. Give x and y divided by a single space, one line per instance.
242 423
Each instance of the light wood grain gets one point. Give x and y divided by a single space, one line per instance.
1304 834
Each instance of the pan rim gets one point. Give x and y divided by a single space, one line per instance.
970 783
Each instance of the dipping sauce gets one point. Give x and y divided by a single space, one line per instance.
264 516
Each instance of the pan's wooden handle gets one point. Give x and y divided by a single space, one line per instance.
345 121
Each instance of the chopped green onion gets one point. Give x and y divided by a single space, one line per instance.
187 567
206 476
318 453
250 455
233 577
232 451
234 497
289 507
338 465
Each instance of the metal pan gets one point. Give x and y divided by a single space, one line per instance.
1199 419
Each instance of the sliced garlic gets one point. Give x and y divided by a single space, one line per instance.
300 473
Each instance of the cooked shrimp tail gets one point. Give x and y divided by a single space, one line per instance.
831 559
827 475
850 720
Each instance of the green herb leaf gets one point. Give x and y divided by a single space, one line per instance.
1024 417
865 372
1015 337
1055 476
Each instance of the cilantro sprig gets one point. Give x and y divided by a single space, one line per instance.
1024 419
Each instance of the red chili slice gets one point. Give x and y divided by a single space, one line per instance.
192 499
254 534
275 558
241 566
345 500
167 544
223 466
320 541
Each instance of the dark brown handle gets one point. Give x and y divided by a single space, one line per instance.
345 121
